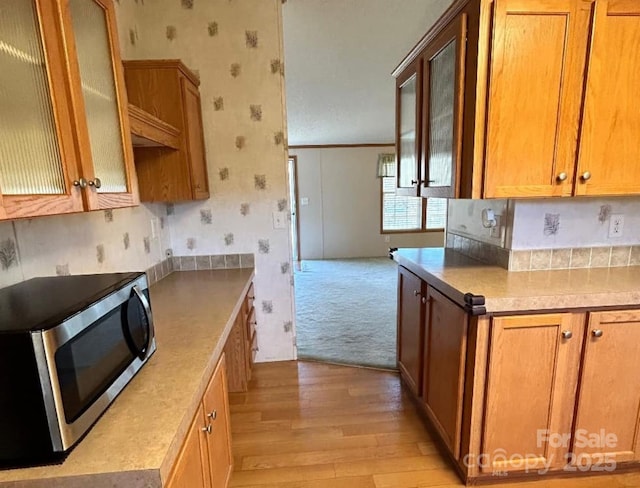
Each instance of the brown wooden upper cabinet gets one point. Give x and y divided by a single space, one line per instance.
65 144
524 98
168 90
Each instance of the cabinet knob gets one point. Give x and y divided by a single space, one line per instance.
97 182
567 334
207 429
562 176
424 300
597 333
416 293
81 183
586 176
212 415
415 182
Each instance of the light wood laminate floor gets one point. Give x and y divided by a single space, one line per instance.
313 425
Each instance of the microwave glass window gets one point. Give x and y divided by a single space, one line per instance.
88 363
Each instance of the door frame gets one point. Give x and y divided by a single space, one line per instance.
294 227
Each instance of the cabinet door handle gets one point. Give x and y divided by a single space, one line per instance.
415 182
567 334
81 183
586 176
562 176
97 182
207 429
597 333
212 415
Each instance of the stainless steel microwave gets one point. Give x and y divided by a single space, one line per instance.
68 346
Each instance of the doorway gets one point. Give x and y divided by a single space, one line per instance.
292 170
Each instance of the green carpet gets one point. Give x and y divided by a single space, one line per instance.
346 311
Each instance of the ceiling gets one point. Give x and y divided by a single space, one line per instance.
339 55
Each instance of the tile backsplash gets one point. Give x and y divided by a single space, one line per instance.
549 233
215 261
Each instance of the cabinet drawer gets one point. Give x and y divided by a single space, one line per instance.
249 299
251 322
254 348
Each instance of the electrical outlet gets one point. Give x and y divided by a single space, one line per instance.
496 230
616 225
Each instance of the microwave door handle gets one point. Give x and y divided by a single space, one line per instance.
147 312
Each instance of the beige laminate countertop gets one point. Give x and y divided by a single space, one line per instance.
136 441
455 274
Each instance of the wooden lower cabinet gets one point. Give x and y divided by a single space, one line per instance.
522 395
218 440
242 345
531 386
609 396
191 469
205 459
410 328
444 366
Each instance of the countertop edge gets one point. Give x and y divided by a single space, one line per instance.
443 287
544 302
176 444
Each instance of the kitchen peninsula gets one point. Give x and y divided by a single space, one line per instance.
516 369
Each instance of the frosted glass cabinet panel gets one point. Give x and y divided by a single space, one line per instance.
65 144
442 130
442 74
30 157
38 161
407 128
95 61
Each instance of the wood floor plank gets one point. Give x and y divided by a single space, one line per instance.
339 408
285 435
354 419
275 425
392 465
351 482
401 425
302 445
421 436
309 458
415 479
282 475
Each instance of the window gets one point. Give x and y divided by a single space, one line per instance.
401 213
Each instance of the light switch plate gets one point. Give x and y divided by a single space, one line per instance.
304 201
279 220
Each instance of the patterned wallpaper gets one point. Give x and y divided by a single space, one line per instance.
235 47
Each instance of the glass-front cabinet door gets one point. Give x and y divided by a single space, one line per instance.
408 101
443 92
37 159
104 137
